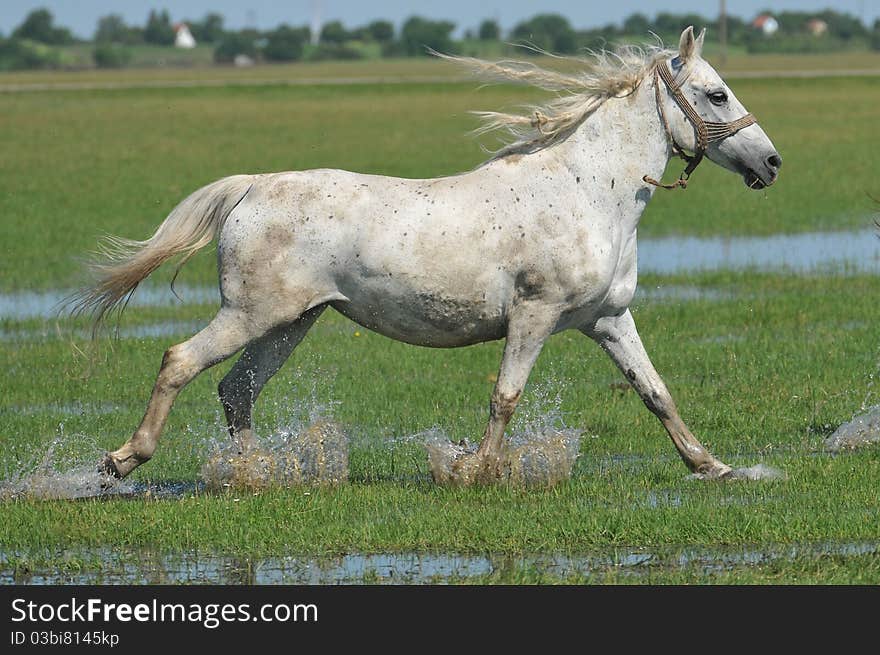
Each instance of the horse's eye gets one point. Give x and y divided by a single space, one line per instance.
717 97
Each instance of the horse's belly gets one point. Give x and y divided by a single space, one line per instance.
426 318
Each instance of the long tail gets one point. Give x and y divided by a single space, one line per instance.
122 264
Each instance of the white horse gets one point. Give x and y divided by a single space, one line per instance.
540 238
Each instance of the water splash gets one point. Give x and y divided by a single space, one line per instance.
860 431
756 472
67 469
316 454
540 453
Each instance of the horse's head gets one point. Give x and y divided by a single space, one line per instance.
702 115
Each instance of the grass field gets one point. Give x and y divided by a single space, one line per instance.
83 163
762 366
397 69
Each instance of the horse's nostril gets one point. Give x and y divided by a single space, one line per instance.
774 161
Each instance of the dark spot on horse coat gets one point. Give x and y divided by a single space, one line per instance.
528 284
277 236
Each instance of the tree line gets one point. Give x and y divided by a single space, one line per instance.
39 43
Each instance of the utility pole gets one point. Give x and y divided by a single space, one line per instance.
316 21
722 32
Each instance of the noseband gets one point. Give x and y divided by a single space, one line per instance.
706 131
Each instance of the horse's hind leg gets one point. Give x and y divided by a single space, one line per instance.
260 360
220 339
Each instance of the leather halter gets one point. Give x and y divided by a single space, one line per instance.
706 131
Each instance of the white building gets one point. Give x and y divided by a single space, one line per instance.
183 38
767 24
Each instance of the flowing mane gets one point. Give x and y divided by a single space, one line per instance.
605 74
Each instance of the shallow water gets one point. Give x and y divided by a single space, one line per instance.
841 252
67 468
316 454
756 472
862 430
540 452
112 566
541 458
47 304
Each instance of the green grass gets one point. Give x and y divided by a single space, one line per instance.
157 64
79 164
762 374
80 57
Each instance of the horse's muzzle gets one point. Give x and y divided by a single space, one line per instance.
764 175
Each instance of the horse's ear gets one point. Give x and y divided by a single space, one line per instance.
689 45
699 43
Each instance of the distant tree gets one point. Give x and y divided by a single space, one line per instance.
158 30
111 55
670 25
550 32
111 29
381 31
334 32
326 51
207 30
286 43
489 31
737 29
597 38
875 35
235 43
37 26
843 26
636 25
18 54
27 54
417 34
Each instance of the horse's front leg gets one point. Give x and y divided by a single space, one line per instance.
618 337
528 328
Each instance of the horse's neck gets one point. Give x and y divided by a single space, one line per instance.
621 142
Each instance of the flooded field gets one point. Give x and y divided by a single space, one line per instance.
827 252
615 476
145 567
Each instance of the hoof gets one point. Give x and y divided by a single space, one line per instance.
108 468
714 471
475 469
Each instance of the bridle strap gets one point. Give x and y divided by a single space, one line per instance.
706 132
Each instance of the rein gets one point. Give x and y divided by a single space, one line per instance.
706 131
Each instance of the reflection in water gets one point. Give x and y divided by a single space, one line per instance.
151 567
